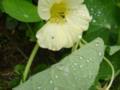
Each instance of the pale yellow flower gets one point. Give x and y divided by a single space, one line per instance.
66 21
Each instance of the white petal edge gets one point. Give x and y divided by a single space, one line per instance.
79 17
56 36
74 3
44 7
51 36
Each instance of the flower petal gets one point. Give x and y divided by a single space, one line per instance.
72 34
79 17
74 3
51 36
55 36
44 7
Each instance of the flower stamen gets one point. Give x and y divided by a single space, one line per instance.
58 11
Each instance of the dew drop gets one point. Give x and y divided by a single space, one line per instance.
56 76
97 44
81 57
51 81
90 59
39 87
56 88
81 66
75 64
94 21
92 9
26 16
99 12
100 54
108 26
87 61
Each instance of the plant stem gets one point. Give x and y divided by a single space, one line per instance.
29 63
75 46
111 66
113 73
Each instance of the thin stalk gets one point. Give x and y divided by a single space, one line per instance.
113 73
75 46
29 63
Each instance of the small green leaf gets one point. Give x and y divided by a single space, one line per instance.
22 10
114 49
75 72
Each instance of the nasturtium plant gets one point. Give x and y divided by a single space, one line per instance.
75 72
22 10
60 28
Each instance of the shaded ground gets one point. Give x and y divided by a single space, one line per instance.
15 49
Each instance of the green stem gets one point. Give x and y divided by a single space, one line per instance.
111 66
75 46
113 73
29 63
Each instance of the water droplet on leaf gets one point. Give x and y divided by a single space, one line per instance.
26 16
56 88
81 66
87 61
75 64
51 81
39 87
56 76
81 57
97 44
100 54
94 21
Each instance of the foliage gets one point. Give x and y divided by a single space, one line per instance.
105 24
74 72
22 10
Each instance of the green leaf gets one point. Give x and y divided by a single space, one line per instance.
75 72
104 22
22 10
114 49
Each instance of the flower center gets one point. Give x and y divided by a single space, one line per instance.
58 11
